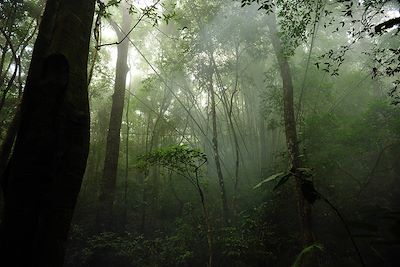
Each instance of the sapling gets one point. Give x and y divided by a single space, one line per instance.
186 162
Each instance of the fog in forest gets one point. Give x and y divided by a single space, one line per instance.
199 133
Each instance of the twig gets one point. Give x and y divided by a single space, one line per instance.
129 32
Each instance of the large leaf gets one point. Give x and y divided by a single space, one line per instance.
282 181
307 250
270 178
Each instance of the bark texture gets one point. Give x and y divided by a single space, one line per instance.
109 178
43 177
8 142
304 208
225 208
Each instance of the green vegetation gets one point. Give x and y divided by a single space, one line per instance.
222 133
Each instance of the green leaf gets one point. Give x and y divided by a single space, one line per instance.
270 178
282 181
307 250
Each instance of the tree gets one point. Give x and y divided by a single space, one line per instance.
225 208
43 177
304 207
202 12
16 33
108 181
186 162
19 22
283 48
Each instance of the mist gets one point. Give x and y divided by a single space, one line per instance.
200 133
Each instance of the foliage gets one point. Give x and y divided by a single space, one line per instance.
19 21
178 248
347 130
180 158
283 177
294 19
362 20
251 241
306 251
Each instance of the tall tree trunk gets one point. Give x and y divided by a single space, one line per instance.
232 126
225 208
228 106
8 142
125 213
304 208
144 180
152 140
109 177
207 220
6 148
44 174
263 146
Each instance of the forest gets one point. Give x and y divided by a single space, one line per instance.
199 133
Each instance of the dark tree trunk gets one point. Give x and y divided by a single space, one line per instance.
263 147
8 142
228 106
109 178
6 148
225 208
125 211
304 208
44 175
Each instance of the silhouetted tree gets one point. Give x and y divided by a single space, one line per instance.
44 175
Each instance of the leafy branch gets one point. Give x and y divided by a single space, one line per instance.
311 195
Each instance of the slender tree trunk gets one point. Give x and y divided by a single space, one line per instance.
237 163
5 150
125 213
225 209
263 147
154 171
44 174
231 124
304 208
109 177
228 106
207 220
143 217
144 181
2 60
8 142
15 61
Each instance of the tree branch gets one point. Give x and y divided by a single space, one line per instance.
387 24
